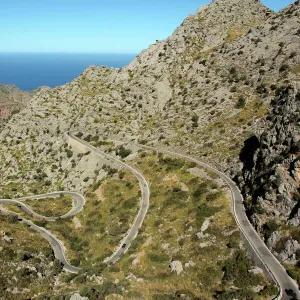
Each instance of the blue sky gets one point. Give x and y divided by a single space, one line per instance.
97 26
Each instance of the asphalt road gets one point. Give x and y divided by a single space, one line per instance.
286 284
78 205
145 196
58 249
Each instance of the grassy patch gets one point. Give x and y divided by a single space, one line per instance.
51 207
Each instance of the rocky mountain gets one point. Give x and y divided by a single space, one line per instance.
205 90
270 176
197 91
12 99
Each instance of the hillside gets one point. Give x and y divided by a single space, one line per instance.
12 99
203 91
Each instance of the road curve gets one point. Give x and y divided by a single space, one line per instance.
58 249
275 269
78 204
144 205
284 282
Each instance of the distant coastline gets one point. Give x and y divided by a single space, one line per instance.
31 70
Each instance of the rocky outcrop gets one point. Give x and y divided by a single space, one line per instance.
270 172
176 266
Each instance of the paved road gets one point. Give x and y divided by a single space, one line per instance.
145 196
263 253
78 204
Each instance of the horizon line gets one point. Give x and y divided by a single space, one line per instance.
67 52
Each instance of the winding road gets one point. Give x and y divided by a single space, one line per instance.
58 249
145 192
78 205
286 285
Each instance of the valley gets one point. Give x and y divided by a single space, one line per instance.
176 176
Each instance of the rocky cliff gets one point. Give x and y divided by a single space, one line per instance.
270 176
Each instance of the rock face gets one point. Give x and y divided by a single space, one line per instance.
270 175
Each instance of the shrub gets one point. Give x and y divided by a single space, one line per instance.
122 152
269 228
233 89
195 120
240 103
100 291
232 70
86 179
296 235
201 189
12 218
213 196
69 153
269 290
283 67
261 89
75 262
88 138
234 241
236 269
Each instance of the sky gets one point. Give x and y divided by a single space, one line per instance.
94 26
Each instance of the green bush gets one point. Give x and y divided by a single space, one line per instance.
130 203
234 240
172 163
213 196
122 152
195 120
99 292
204 211
245 294
236 270
200 190
268 291
269 228
69 153
240 103
283 67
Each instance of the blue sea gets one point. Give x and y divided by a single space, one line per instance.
29 71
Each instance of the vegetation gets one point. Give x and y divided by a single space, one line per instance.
240 103
22 258
51 207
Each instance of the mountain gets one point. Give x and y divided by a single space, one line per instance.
12 99
223 88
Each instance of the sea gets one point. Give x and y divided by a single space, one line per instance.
31 70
